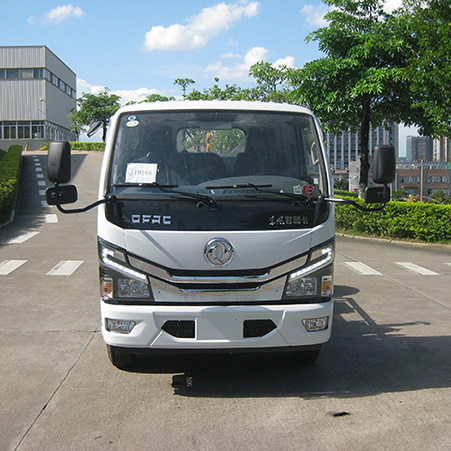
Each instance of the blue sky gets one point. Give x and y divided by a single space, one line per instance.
140 47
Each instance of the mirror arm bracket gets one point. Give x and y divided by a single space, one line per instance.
108 199
355 204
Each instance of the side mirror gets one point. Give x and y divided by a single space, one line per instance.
384 164
58 162
94 127
60 195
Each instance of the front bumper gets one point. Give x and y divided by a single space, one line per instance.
217 327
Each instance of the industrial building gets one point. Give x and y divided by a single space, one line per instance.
37 92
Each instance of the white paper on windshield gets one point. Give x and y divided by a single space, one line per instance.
141 173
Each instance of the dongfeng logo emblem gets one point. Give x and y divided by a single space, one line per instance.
218 252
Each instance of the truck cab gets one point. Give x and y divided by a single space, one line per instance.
215 230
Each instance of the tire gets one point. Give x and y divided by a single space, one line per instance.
119 358
306 357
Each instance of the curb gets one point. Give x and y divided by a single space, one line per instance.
394 241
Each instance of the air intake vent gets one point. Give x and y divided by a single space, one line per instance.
180 329
257 327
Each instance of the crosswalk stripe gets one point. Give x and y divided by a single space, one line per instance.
41 183
416 269
8 266
65 268
22 238
363 269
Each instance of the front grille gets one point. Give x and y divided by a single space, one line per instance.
257 327
180 328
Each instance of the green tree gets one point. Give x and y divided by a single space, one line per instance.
156 98
230 92
272 82
183 83
362 80
425 27
92 107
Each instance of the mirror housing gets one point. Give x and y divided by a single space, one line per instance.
58 162
377 195
384 164
60 195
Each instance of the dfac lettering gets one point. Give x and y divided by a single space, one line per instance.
152 219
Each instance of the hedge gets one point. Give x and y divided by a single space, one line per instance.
77 145
417 221
9 175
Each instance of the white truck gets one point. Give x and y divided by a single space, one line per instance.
215 228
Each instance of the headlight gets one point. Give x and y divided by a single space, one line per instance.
120 281
116 259
315 278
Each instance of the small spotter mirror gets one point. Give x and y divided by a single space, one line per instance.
94 127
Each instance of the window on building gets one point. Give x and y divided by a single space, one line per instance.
37 129
23 130
2 74
38 72
27 74
12 74
9 130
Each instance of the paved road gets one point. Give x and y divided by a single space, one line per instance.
383 381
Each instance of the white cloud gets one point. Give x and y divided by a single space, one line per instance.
314 15
199 29
240 70
58 14
287 61
126 95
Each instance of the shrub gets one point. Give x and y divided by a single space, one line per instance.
401 220
9 175
343 193
76 145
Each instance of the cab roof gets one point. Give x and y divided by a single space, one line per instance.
183 105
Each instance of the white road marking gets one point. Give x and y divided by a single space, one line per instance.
51 218
22 238
363 269
416 269
65 268
41 183
42 192
44 204
38 169
40 176
8 266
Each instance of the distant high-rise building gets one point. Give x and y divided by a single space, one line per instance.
345 147
37 92
442 149
419 148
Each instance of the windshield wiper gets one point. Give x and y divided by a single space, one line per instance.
301 198
204 200
239 186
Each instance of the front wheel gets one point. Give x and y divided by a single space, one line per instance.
120 358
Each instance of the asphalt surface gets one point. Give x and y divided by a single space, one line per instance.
383 381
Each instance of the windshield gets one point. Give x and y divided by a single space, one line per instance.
220 153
